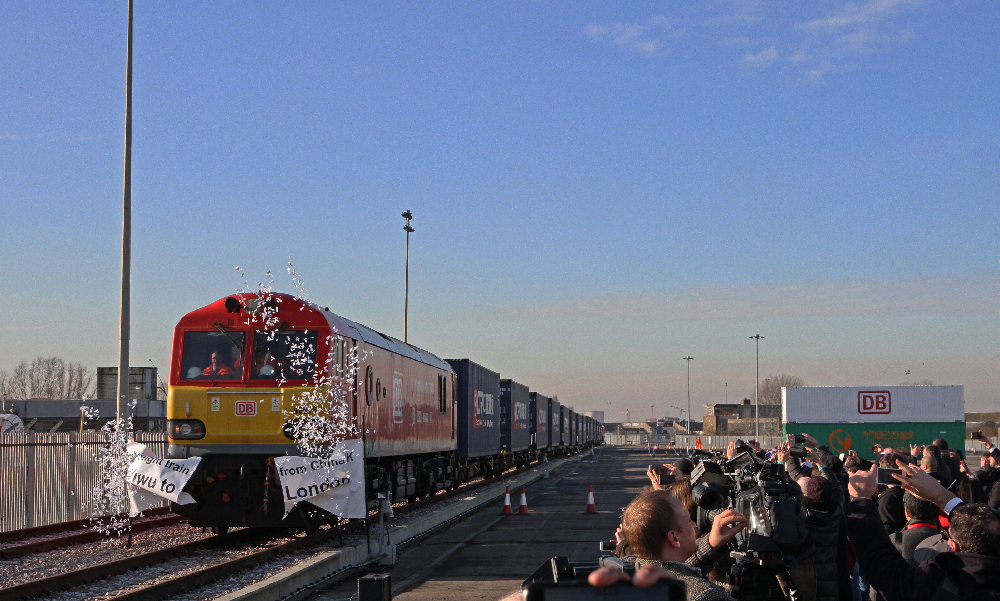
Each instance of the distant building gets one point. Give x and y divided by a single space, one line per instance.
54 415
598 415
723 419
60 415
141 383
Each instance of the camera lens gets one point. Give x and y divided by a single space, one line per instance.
707 497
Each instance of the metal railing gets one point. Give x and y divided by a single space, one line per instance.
47 478
721 442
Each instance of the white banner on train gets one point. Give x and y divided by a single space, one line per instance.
152 479
336 484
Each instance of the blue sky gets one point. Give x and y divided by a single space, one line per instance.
597 190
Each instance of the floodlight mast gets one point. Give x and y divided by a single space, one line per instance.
756 401
406 285
125 309
689 359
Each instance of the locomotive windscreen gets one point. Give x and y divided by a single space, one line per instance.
289 355
213 355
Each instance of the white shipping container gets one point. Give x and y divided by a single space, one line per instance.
872 404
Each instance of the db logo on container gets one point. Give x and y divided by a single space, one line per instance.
874 401
246 408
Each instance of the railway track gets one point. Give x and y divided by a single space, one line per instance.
75 537
219 570
76 525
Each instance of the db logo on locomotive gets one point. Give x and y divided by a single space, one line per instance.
246 408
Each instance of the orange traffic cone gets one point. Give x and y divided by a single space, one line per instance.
524 502
591 508
506 503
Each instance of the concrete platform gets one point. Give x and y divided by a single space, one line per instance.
486 555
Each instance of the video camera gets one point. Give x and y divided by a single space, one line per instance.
775 538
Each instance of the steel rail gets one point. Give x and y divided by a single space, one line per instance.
198 578
53 584
14 535
89 536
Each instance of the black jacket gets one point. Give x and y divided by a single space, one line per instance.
890 509
977 577
829 534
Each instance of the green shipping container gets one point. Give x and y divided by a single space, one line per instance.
859 437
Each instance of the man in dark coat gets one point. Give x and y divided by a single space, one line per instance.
890 502
921 523
970 572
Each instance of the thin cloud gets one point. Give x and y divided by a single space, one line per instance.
971 294
856 29
632 37
761 59
859 16
820 40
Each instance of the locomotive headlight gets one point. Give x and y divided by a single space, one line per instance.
190 429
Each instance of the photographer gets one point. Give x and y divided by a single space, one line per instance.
948 457
659 531
970 571
890 501
822 506
989 476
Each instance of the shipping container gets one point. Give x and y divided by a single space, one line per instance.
478 393
563 425
515 425
532 420
858 417
571 441
543 420
555 421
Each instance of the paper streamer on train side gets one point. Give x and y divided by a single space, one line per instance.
336 485
152 479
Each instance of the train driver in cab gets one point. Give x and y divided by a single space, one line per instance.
217 367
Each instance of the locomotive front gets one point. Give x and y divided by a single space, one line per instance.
237 367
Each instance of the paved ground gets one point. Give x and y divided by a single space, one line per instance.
486 556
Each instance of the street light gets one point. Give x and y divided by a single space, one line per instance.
756 400
406 286
689 359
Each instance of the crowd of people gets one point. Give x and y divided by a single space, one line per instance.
931 534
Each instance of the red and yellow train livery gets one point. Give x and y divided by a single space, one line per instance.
237 366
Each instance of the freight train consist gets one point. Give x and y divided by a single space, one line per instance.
241 365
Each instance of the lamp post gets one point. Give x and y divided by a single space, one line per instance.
406 285
689 358
756 401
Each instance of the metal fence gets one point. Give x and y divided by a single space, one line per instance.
51 478
721 442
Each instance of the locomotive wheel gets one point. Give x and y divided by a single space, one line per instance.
312 519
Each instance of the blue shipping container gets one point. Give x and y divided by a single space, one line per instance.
478 394
532 420
519 433
557 423
543 420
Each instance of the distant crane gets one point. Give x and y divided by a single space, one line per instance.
628 416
